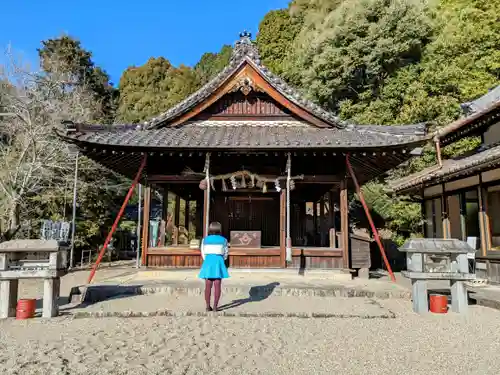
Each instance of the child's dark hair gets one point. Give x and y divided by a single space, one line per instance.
215 228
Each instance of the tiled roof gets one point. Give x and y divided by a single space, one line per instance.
482 103
245 51
249 134
451 168
478 114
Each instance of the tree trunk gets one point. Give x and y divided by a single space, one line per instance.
14 220
14 216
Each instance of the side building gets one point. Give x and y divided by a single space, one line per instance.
461 196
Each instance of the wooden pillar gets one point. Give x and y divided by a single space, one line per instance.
283 228
331 205
332 229
186 216
205 209
445 215
423 214
303 222
315 223
322 220
344 221
198 219
484 222
177 214
145 224
164 218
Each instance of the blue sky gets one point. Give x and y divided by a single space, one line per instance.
124 33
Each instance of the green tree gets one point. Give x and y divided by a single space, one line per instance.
212 63
65 55
277 32
151 89
351 46
461 62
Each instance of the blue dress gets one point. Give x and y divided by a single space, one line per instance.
214 251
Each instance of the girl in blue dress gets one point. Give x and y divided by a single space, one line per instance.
214 250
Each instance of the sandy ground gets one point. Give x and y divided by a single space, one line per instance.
363 336
405 344
239 305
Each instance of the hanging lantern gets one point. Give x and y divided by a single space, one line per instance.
224 186
212 184
264 188
252 181
292 185
203 184
234 184
243 182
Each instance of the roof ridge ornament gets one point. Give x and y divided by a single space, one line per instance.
245 47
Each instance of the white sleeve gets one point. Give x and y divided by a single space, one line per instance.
202 249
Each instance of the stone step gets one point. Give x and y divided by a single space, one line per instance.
96 293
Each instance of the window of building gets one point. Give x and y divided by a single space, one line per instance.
493 210
471 210
455 217
429 219
433 218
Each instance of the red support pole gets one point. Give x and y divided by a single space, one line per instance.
117 220
369 217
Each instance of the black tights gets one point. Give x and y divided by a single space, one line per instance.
208 292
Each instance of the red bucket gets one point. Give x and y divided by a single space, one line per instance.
25 309
438 304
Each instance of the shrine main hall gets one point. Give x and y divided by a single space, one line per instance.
251 152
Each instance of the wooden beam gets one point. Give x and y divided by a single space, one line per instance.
180 179
145 224
282 228
312 252
175 179
344 222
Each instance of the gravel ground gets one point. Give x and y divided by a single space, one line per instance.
406 344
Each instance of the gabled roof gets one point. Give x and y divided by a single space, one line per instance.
488 157
478 114
374 149
482 103
246 54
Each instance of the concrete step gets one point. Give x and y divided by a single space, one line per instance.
96 293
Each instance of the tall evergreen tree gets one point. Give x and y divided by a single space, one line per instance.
152 88
212 63
66 55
